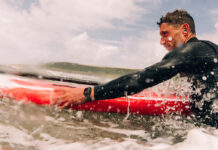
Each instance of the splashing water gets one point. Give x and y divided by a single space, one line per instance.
25 126
127 115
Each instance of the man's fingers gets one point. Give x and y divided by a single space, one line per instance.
59 96
57 100
65 105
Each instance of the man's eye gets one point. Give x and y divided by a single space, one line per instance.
164 33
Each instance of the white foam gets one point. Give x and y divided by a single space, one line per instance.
198 139
14 136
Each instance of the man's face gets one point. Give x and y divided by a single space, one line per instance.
171 36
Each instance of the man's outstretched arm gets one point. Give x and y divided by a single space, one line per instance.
134 83
125 85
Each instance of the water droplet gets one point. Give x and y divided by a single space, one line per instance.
215 106
204 78
148 80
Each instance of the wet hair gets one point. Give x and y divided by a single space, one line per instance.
177 18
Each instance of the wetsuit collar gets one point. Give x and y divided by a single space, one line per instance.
194 39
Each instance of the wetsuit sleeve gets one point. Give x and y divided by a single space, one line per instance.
136 82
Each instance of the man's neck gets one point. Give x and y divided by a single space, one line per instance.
190 37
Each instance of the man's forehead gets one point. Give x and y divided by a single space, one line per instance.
164 27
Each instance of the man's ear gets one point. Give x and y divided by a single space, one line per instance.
186 29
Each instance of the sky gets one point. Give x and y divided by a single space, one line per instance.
116 33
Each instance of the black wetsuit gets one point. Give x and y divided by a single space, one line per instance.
197 59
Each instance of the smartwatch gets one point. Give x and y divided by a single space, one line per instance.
87 94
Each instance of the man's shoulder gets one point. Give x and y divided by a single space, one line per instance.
201 45
209 43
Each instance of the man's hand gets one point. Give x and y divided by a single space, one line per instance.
65 96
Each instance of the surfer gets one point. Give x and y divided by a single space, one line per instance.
194 58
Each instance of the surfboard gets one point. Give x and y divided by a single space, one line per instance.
41 92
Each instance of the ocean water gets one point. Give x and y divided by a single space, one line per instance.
26 126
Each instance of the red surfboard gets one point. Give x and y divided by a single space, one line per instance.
42 92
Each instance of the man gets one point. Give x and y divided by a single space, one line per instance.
187 55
